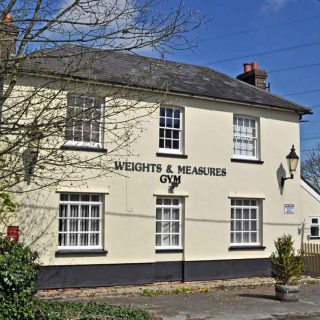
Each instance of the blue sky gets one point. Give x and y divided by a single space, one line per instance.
249 27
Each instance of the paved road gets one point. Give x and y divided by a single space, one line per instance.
233 304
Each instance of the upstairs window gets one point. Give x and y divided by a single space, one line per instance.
84 121
245 137
170 130
314 226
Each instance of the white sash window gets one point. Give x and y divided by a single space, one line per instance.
80 221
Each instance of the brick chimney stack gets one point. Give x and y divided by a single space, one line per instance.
8 37
253 75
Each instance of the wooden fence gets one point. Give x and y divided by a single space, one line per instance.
312 258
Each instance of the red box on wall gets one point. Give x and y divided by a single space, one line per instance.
13 232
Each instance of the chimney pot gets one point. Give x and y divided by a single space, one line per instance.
254 66
246 67
253 75
8 18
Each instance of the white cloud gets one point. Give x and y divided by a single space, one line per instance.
274 5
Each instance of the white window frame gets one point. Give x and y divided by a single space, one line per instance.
180 130
255 139
233 220
81 143
161 220
68 203
315 225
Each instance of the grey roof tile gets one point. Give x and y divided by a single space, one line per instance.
134 70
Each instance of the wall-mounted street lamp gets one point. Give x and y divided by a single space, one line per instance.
292 161
30 155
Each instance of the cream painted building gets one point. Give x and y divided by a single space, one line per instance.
198 196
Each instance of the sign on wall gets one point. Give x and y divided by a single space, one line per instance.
288 208
169 173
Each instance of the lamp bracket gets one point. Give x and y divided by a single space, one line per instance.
283 179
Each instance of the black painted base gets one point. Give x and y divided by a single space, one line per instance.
82 276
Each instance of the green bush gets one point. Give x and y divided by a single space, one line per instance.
54 310
18 274
287 266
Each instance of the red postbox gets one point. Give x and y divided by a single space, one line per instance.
13 232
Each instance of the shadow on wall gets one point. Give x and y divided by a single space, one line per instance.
35 219
281 172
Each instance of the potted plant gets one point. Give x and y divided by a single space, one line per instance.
287 267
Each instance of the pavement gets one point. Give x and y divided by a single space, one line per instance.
251 300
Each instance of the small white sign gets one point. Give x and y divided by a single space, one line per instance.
289 208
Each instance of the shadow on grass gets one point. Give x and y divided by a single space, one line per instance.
259 296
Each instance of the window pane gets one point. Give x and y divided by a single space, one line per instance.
175 214
95 225
158 227
175 227
166 240
84 239
73 239
84 211
168 144
175 240
73 224
94 239
246 237
84 225
166 214
314 231
74 197
62 239
63 225
166 227
74 211
158 240
63 210
169 112
175 202
95 211
175 144
95 198
64 197
169 122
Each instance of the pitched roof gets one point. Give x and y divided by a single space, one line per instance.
129 69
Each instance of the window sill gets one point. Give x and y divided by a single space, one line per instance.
83 148
79 252
314 237
244 248
169 250
247 161
171 155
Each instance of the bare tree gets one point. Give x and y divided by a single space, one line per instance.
310 168
49 58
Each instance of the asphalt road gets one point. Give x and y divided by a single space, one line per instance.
233 304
